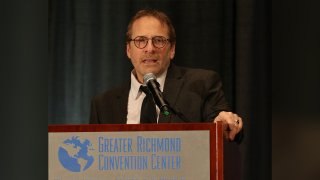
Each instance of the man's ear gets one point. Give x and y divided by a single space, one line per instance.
172 51
128 50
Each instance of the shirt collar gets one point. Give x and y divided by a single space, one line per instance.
135 84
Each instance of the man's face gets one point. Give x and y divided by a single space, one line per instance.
150 59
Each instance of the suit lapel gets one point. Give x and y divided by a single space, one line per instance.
122 99
172 87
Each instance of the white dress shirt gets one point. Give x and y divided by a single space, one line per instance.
136 97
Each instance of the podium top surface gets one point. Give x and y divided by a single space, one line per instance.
132 127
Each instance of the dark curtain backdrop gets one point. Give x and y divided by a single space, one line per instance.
87 56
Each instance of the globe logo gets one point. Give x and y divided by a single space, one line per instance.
74 154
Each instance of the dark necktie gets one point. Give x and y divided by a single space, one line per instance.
148 108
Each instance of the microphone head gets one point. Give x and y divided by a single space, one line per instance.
147 77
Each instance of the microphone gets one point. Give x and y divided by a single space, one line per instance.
151 82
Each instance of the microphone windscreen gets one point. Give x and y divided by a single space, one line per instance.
147 77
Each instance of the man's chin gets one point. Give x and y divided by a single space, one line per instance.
152 69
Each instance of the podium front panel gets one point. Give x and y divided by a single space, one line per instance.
132 152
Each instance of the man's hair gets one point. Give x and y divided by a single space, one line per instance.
162 17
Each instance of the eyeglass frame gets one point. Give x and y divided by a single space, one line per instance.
152 41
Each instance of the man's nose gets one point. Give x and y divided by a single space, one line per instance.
150 47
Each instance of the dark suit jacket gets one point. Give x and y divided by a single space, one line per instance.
195 93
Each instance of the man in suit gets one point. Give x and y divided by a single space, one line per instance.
196 94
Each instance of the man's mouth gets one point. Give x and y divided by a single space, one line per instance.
149 61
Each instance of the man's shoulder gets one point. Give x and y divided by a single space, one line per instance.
114 92
195 72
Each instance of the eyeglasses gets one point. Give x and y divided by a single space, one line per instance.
142 41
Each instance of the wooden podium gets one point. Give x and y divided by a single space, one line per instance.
170 151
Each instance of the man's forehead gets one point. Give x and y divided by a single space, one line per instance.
145 19
147 24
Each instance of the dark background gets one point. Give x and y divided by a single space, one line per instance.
295 91
87 56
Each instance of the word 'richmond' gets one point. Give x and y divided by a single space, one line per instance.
142 144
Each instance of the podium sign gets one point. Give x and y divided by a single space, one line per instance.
135 152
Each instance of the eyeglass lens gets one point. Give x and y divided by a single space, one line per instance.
157 41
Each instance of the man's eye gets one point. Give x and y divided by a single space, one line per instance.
140 40
158 40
